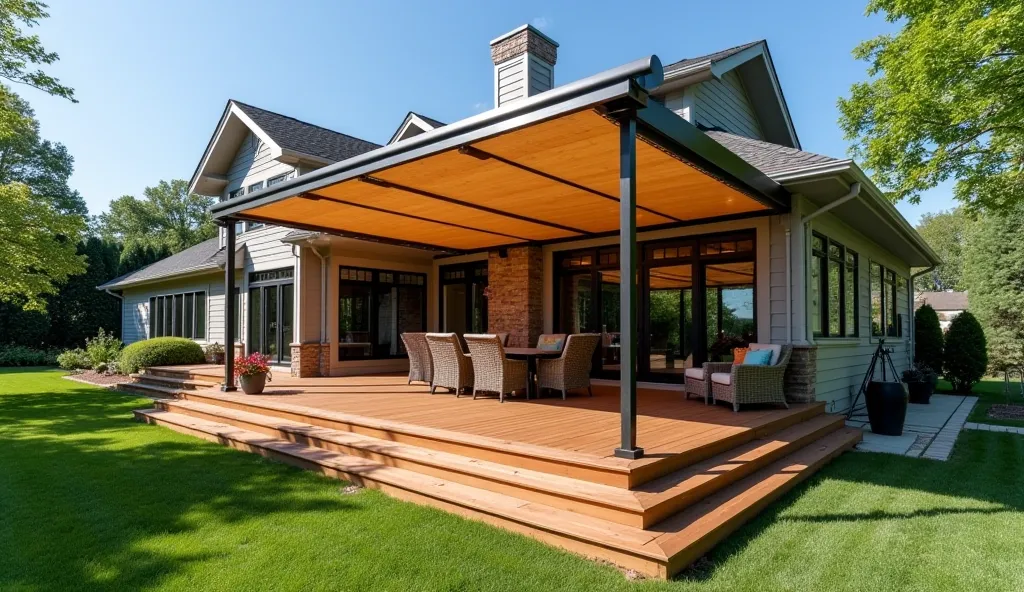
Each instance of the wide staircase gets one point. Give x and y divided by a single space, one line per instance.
656 528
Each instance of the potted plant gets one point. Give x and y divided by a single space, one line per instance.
919 384
253 372
215 353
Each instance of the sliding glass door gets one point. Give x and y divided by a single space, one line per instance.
463 301
271 314
375 306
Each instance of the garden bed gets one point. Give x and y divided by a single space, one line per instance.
99 378
1000 411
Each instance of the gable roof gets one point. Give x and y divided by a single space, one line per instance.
206 256
305 138
289 139
752 62
942 300
420 121
770 159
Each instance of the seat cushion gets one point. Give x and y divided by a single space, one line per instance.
761 357
775 348
697 373
721 378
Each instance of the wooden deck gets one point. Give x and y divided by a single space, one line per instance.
520 457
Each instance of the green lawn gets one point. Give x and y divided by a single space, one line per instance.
90 499
989 392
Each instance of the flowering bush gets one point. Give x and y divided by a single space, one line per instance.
253 364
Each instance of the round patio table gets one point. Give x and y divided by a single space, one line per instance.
530 354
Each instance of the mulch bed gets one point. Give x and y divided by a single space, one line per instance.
100 379
1006 411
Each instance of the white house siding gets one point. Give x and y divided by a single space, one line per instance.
777 280
252 164
510 81
724 104
135 324
842 362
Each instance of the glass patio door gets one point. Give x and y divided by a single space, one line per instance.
271 314
729 307
669 319
463 301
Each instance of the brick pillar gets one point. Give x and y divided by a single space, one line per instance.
516 302
310 359
801 373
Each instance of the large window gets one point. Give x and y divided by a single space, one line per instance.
833 288
463 302
271 312
178 315
887 290
375 306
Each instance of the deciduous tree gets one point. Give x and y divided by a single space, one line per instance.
945 100
946 232
167 216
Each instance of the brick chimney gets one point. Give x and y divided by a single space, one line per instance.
524 64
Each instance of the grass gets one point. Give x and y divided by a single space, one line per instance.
990 392
92 500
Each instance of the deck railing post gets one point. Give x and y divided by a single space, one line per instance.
229 307
627 286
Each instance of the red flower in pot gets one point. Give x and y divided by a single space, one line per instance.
253 372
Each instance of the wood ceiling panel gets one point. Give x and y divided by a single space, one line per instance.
367 194
344 218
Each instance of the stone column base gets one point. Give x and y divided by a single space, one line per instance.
801 374
310 359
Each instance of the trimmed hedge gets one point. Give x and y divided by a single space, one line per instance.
19 355
966 353
160 351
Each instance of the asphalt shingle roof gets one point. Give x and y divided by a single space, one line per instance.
766 157
942 300
711 57
299 136
206 255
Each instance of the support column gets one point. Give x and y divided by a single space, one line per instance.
627 286
229 308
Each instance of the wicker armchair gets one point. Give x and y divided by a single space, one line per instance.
504 338
571 370
697 381
453 368
492 371
421 367
743 384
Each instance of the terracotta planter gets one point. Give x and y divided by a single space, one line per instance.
252 384
887 407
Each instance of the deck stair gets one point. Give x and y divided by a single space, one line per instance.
657 527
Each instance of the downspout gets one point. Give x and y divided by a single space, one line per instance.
120 306
789 286
323 291
913 325
806 221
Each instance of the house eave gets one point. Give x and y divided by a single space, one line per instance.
182 273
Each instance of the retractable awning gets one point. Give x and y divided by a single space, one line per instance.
540 170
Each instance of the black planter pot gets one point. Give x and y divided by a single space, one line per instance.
920 391
887 407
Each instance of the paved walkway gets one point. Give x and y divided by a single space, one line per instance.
930 431
986 427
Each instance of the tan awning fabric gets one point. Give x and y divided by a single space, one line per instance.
552 180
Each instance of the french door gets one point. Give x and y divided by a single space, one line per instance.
271 314
463 302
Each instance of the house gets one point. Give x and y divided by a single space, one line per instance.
510 221
948 304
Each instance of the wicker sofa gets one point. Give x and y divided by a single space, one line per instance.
742 384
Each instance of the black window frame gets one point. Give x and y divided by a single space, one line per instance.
892 285
473 272
377 281
166 320
822 257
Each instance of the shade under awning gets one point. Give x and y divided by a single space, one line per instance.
543 170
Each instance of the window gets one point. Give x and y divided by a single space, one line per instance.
180 315
237 193
375 307
278 179
887 290
833 288
256 187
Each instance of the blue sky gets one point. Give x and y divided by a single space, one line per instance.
153 77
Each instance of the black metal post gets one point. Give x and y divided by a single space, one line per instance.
627 286
229 308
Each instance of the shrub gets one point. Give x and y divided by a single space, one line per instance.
966 354
160 351
74 359
102 350
19 355
928 338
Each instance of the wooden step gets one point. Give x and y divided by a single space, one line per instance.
659 551
174 381
151 390
205 375
594 499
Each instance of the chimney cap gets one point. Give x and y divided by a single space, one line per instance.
520 29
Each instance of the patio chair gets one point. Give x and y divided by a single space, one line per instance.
551 341
453 368
571 370
504 338
492 371
421 367
697 381
744 384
